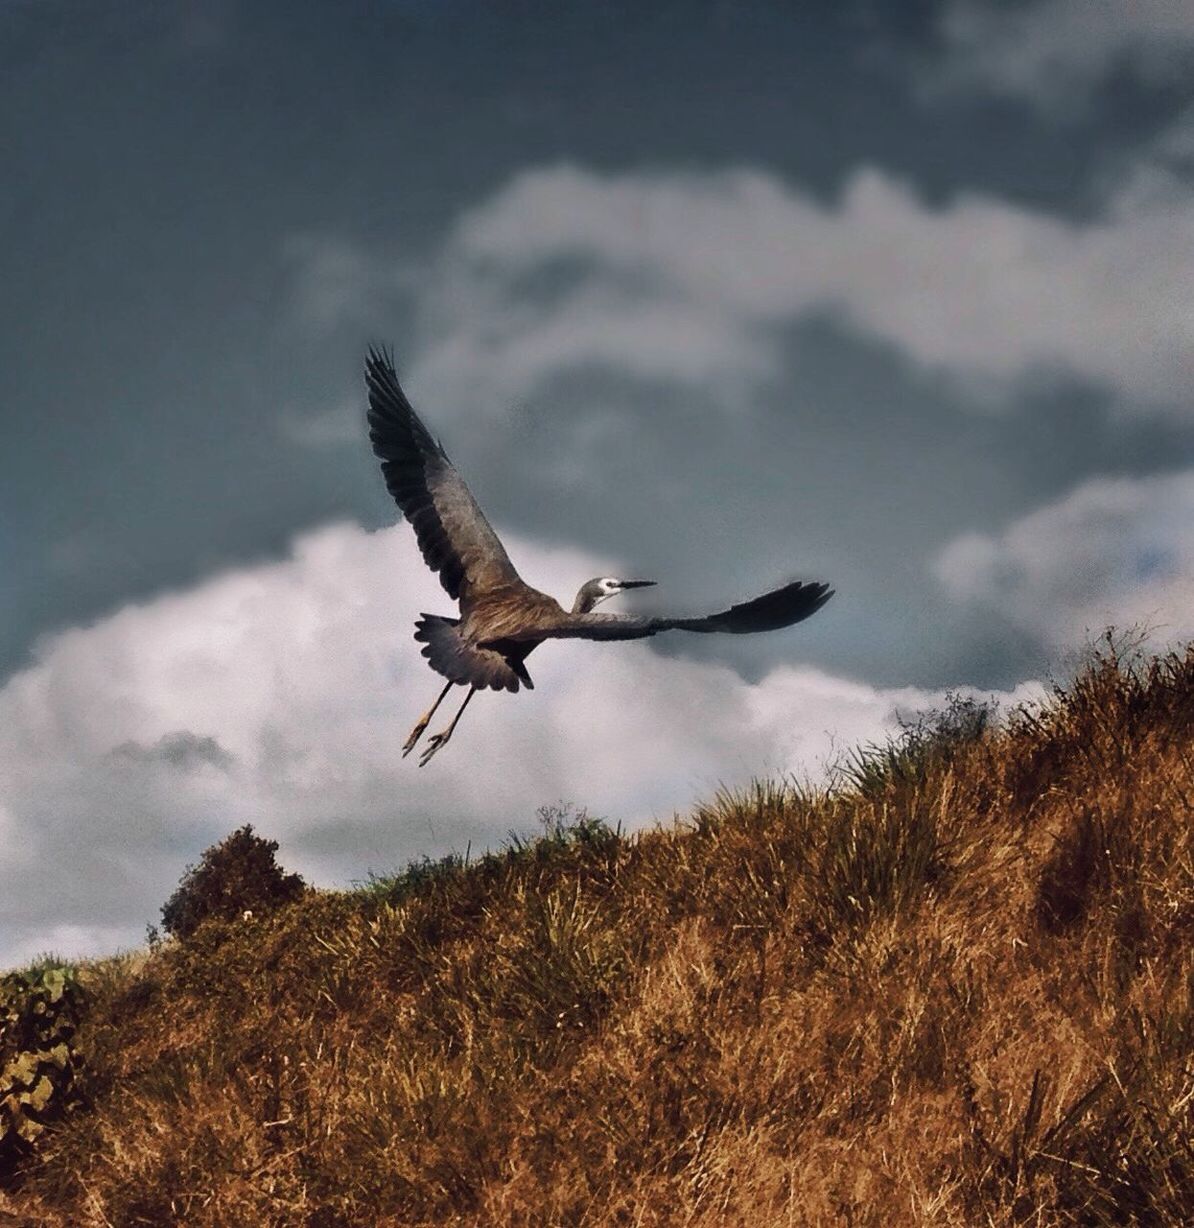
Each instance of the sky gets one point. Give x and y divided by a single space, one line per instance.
897 297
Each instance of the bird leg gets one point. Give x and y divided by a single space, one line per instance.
440 739
417 732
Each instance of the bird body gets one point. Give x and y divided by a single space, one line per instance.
509 610
502 618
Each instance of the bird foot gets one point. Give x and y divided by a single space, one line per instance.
415 734
434 743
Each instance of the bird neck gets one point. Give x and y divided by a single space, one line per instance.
586 599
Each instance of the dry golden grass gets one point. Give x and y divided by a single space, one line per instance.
958 992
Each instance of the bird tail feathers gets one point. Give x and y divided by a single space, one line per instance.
458 660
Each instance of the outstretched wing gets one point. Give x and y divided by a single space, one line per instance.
781 608
453 535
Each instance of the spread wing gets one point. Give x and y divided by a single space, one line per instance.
791 604
453 535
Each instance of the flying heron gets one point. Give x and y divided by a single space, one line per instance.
502 619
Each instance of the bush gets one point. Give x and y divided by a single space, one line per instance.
236 876
39 1011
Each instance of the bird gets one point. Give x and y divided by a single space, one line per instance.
502 618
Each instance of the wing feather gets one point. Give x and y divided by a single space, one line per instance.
781 608
453 535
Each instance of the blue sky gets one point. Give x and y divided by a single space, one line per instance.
898 297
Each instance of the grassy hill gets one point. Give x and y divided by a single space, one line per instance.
957 990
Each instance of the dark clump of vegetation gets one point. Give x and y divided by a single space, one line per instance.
40 1007
238 875
957 989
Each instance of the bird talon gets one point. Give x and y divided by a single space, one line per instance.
415 734
436 741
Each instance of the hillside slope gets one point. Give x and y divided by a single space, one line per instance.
958 991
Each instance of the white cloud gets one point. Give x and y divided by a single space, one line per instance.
1112 552
1054 51
281 694
690 279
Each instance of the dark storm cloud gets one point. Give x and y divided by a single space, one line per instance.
164 164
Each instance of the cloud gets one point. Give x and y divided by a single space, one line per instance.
1174 146
1112 552
281 694
333 280
333 426
691 280
180 749
1054 52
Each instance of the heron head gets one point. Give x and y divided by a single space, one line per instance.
602 588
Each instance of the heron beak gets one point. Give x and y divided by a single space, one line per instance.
638 583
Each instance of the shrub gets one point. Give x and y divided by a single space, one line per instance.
235 876
39 1010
